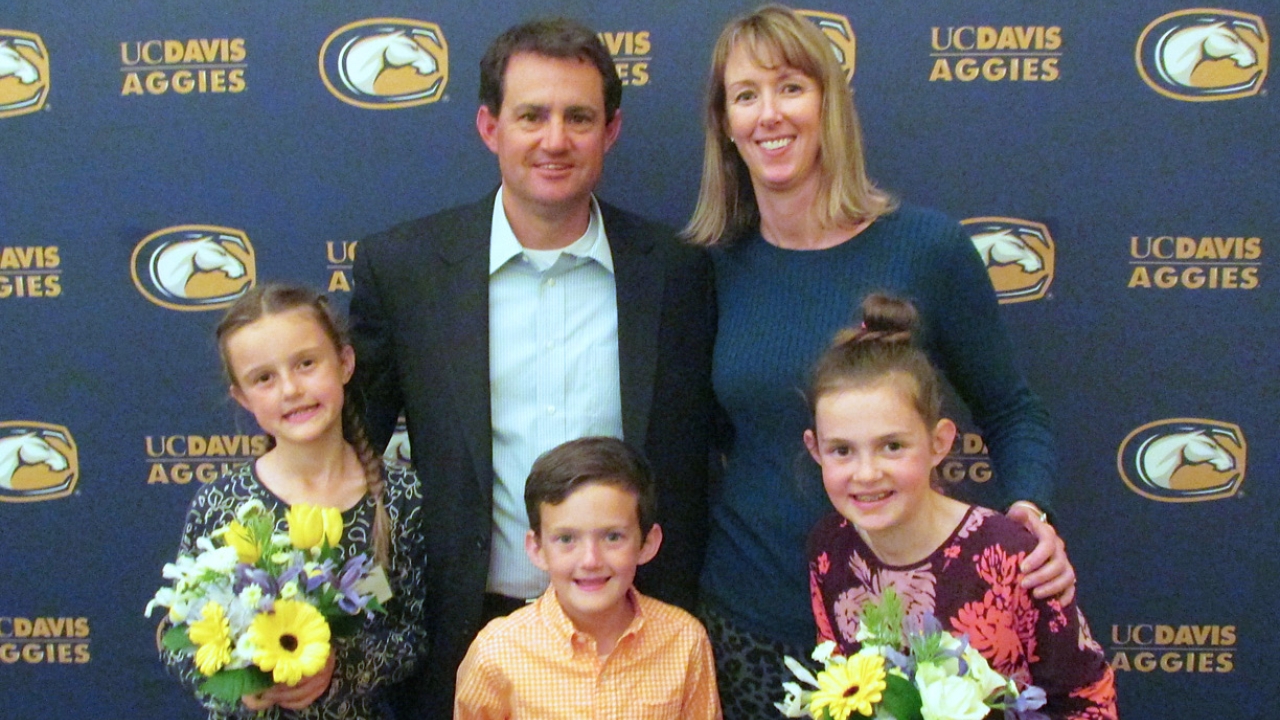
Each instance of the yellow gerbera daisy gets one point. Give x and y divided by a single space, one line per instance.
855 686
292 642
212 634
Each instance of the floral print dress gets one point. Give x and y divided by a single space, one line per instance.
971 585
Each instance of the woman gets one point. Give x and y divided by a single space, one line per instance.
800 235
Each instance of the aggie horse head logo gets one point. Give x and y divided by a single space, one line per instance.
1184 460
844 44
194 267
38 461
385 63
1019 255
1204 54
24 73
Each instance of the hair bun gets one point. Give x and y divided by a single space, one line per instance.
890 315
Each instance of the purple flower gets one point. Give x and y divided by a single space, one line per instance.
291 573
355 570
902 661
1031 698
247 575
323 574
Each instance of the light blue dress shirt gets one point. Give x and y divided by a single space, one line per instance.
553 372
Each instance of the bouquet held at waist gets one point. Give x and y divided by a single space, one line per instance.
256 606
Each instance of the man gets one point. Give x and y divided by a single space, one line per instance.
532 317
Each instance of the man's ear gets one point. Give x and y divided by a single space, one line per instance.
533 548
652 541
487 126
612 130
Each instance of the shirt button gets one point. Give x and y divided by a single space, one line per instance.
551 409
551 282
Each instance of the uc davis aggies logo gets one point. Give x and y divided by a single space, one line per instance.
194 267
1019 255
385 63
1184 460
24 73
38 461
839 33
1204 54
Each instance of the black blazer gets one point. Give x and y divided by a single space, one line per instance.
420 326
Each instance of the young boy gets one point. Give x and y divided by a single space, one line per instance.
591 646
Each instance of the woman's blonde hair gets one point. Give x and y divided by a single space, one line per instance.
776 36
274 298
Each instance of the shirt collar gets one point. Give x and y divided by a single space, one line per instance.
503 245
548 606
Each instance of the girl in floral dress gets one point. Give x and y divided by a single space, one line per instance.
878 436
288 362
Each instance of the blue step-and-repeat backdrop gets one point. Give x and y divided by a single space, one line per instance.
1115 163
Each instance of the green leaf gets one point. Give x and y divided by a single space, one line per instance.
230 685
901 698
176 639
345 625
376 606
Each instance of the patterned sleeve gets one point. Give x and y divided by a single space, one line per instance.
1038 642
390 645
1071 667
819 549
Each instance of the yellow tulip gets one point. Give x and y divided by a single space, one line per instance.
238 537
311 525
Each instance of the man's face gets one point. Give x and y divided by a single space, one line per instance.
550 135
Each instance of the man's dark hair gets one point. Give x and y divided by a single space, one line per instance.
555 38
560 471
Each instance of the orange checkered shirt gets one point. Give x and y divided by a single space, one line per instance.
534 665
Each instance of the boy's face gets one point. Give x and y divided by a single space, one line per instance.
591 545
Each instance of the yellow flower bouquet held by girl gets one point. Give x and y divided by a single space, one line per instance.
256 606
905 673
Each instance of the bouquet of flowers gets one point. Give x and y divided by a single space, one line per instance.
257 607
905 673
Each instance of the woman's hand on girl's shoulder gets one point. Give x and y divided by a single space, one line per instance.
1048 569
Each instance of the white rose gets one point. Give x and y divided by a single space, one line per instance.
952 698
980 671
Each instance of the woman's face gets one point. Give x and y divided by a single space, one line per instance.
775 120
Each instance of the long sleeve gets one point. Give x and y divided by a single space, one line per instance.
969 343
1071 669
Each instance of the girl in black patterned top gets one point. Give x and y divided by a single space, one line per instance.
289 362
